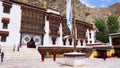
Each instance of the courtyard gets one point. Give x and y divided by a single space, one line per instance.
59 63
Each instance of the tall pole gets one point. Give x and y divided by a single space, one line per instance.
74 26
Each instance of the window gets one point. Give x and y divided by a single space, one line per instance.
6 10
5 25
7 6
90 35
53 41
3 38
3 35
5 22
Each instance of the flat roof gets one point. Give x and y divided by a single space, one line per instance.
112 34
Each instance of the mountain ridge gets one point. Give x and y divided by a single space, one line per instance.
82 12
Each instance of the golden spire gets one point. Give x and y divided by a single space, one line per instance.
44 4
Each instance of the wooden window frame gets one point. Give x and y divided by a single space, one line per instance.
6 10
3 38
3 35
5 22
5 26
6 7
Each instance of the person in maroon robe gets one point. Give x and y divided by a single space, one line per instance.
105 56
28 44
113 55
32 43
54 56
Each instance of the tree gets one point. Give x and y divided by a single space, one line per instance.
102 34
113 24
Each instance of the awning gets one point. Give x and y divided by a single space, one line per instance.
5 33
7 4
102 47
114 35
5 20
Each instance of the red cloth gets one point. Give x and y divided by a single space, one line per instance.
28 44
113 55
95 56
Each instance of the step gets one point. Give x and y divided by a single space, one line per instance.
23 53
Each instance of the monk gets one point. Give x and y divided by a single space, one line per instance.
105 56
54 56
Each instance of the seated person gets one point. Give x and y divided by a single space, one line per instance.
31 44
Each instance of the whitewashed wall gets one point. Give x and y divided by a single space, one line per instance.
53 11
92 38
59 39
27 37
13 26
46 36
1 11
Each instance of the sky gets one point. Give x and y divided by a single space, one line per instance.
99 3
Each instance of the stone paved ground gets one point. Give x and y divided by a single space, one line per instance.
59 63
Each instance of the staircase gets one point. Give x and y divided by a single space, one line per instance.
88 54
23 53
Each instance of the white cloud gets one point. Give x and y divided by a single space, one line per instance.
102 6
86 2
83 1
90 5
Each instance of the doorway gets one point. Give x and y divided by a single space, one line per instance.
117 52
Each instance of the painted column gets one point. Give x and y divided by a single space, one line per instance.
79 42
92 36
72 42
84 43
88 36
110 41
50 41
46 36
59 40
